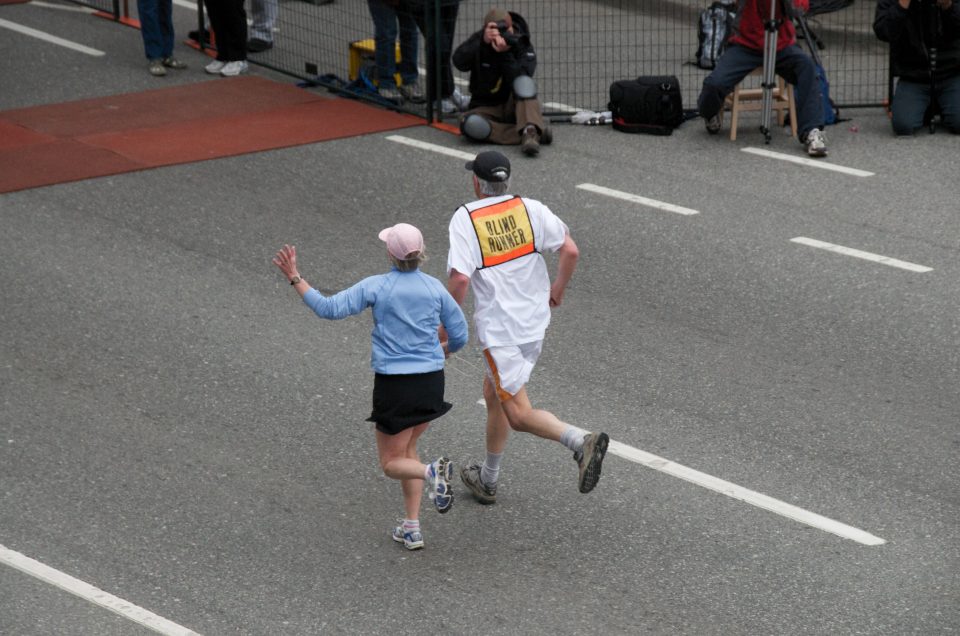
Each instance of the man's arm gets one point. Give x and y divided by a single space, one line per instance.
457 285
569 255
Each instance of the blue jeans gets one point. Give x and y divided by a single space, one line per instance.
911 100
156 27
385 21
792 64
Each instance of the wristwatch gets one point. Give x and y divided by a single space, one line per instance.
296 279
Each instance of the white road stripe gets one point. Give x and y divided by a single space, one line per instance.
62 7
849 251
626 196
186 5
423 145
41 35
813 163
90 593
562 106
743 494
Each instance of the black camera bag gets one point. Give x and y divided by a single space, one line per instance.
648 104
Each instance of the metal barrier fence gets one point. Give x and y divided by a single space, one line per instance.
582 45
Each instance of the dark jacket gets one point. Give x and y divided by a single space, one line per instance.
492 73
912 32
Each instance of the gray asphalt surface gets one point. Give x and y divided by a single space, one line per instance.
180 432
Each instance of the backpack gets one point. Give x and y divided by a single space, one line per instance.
714 30
648 104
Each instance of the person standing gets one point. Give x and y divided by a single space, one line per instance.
228 19
156 27
389 22
924 37
408 308
496 246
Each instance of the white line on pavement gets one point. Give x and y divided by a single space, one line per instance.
423 145
61 7
813 163
849 251
92 594
186 5
41 35
743 494
626 196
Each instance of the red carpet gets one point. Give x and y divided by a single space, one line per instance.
52 144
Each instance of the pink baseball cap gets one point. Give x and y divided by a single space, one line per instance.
403 240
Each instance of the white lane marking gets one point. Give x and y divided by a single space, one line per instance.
743 494
90 593
186 5
41 35
626 196
423 145
813 163
61 7
849 251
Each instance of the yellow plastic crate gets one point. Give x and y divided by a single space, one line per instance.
362 51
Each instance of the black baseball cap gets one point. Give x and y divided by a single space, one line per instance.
490 165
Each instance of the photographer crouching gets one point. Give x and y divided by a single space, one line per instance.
924 37
504 108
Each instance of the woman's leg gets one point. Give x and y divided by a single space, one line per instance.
399 460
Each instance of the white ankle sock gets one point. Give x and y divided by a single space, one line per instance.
572 438
490 471
411 524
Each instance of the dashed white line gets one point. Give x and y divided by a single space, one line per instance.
61 7
743 494
813 163
849 251
42 35
186 5
92 594
634 198
423 145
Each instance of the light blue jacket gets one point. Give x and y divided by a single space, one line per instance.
407 309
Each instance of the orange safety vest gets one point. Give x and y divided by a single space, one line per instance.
504 231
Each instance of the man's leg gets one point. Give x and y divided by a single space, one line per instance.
731 68
910 103
949 98
798 68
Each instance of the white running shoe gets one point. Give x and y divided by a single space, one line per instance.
214 67
232 69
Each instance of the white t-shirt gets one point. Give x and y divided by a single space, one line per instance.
497 242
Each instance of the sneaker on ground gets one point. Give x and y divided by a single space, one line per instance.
391 93
156 68
413 92
439 484
214 67
530 142
590 459
816 143
458 99
411 540
232 69
447 106
713 124
470 476
174 63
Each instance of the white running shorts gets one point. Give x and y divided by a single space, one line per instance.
511 366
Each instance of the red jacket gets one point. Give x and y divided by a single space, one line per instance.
751 15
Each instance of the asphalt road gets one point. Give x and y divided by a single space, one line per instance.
178 431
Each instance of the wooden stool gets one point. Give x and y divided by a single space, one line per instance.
751 99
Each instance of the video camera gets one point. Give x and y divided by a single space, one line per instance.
512 39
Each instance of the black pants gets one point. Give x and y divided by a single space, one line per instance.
447 24
228 19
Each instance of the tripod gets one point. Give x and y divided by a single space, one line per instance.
770 29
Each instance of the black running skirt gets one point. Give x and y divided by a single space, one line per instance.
402 401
